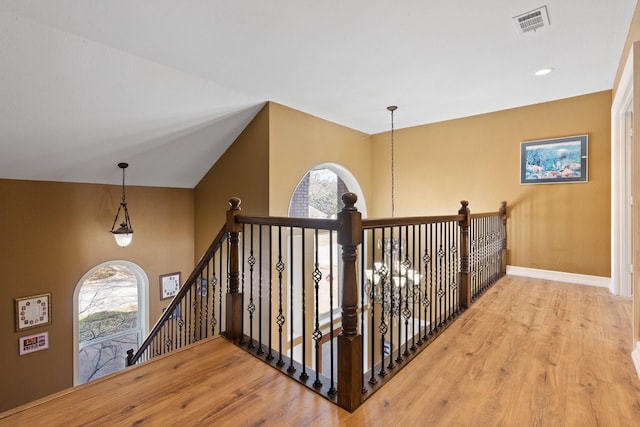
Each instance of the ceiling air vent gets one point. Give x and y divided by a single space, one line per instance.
532 21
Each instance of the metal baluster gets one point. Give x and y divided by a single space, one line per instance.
474 254
291 368
199 299
362 305
270 356
260 350
280 319
422 274
251 307
189 316
439 278
372 305
332 388
317 334
383 328
211 287
413 289
406 312
392 305
303 374
221 271
204 288
455 270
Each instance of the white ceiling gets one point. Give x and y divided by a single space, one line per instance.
167 85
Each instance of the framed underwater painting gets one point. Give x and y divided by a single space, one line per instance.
559 160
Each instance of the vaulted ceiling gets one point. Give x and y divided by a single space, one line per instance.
167 85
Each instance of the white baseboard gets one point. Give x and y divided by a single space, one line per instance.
560 276
635 356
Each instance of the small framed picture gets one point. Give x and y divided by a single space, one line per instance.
33 343
169 285
33 311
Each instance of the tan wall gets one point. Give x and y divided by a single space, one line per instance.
559 227
299 141
632 36
242 171
52 234
633 40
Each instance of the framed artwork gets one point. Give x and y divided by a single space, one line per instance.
175 314
32 343
559 160
169 285
202 287
33 311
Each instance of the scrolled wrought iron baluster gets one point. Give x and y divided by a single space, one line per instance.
220 295
455 269
317 333
214 282
406 313
392 302
427 259
260 349
280 319
418 290
440 292
251 308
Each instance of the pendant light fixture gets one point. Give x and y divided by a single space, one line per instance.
392 108
124 234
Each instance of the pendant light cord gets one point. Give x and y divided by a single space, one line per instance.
392 108
123 196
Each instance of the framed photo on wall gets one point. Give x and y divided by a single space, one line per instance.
33 311
559 160
169 285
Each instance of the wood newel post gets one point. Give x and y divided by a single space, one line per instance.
234 297
503 214
349 340
465 277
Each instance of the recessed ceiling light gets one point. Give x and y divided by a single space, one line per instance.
544 71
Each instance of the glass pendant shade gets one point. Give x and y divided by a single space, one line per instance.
123 235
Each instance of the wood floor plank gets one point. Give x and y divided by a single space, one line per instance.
528 353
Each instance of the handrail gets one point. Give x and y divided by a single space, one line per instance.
391 222
132 357
319 223
402 281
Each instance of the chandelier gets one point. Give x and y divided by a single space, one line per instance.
392 282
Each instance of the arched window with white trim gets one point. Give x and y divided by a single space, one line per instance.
110 307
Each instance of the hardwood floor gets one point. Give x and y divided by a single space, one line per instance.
528 353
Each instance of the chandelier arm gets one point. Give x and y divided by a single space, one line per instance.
116 218
126 218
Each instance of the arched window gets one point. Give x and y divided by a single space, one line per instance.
110 308
319 195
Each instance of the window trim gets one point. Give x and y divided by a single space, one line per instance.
143 307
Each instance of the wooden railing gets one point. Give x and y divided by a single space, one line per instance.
340 305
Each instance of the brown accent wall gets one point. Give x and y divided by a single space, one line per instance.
51 235
558 227
242 171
